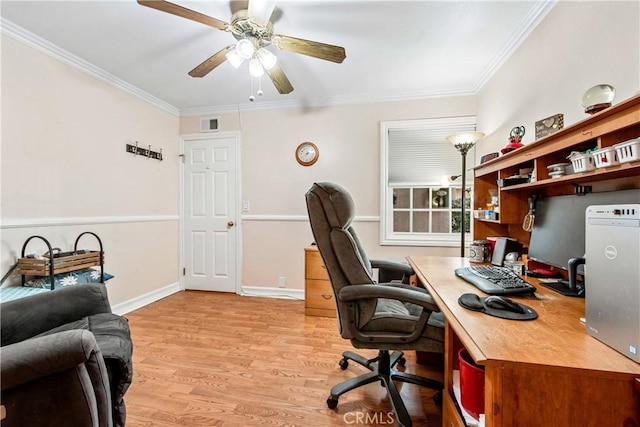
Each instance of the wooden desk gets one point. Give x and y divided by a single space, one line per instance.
545 372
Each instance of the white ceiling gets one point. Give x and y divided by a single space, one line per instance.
395 49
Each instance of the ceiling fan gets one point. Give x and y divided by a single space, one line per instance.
253 30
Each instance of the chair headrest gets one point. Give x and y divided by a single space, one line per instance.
336 202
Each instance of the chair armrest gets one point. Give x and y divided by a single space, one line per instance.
393 266
27 317
396 291
36 358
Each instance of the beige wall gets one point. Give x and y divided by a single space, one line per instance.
64 161
63 137
275 230
577 45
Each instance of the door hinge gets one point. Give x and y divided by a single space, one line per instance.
184 271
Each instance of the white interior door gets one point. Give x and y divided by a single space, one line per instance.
210 210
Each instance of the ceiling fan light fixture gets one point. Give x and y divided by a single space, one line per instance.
267 59
255 68
234 58
245 48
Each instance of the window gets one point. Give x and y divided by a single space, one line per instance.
421 186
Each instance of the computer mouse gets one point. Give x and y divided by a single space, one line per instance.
503 303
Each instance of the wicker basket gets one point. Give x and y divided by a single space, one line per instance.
61 264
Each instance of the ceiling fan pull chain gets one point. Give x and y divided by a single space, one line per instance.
251 97
260 92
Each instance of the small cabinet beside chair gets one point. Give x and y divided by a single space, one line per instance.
319 298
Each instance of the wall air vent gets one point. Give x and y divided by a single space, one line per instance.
208 124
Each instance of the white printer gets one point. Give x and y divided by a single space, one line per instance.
612 276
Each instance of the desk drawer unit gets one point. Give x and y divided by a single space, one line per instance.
319 299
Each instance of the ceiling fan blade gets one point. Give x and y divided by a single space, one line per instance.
260 11
210 63
280 80
324 51
183 12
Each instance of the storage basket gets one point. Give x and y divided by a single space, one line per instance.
606 157
62 264
582 162
628 150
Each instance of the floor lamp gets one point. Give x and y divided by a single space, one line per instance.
463 143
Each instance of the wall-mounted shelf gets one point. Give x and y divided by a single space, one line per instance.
604 129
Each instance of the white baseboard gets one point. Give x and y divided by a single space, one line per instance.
257 291
251 291
146 299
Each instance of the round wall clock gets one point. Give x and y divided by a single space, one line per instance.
307 153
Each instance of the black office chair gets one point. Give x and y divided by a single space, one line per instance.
382 316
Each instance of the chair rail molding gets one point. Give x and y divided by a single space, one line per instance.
302 218
88 220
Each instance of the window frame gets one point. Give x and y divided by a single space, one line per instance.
387 235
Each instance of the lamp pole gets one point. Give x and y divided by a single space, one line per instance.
463 143
464 149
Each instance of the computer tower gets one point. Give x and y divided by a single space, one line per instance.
612 276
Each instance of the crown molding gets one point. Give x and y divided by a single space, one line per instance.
326 102
27 38
537 13
531 21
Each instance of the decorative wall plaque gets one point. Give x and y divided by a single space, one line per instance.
549 125
488 157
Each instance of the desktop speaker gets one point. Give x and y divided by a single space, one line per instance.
503 246
612 276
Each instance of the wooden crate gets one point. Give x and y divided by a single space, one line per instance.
62 264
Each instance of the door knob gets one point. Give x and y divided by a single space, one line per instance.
230 224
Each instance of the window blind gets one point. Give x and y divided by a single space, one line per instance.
418 152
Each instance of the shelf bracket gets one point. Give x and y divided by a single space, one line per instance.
582 190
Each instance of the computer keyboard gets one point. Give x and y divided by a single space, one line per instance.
495 280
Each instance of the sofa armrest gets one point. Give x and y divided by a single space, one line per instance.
57 379
29 360
26 317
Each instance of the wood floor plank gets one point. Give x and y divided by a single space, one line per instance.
216 359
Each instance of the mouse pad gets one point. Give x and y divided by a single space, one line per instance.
476 303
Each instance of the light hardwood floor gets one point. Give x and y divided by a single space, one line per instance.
215 359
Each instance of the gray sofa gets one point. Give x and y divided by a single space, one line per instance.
65 359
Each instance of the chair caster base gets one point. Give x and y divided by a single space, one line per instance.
332 402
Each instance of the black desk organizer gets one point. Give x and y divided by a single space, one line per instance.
62 262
